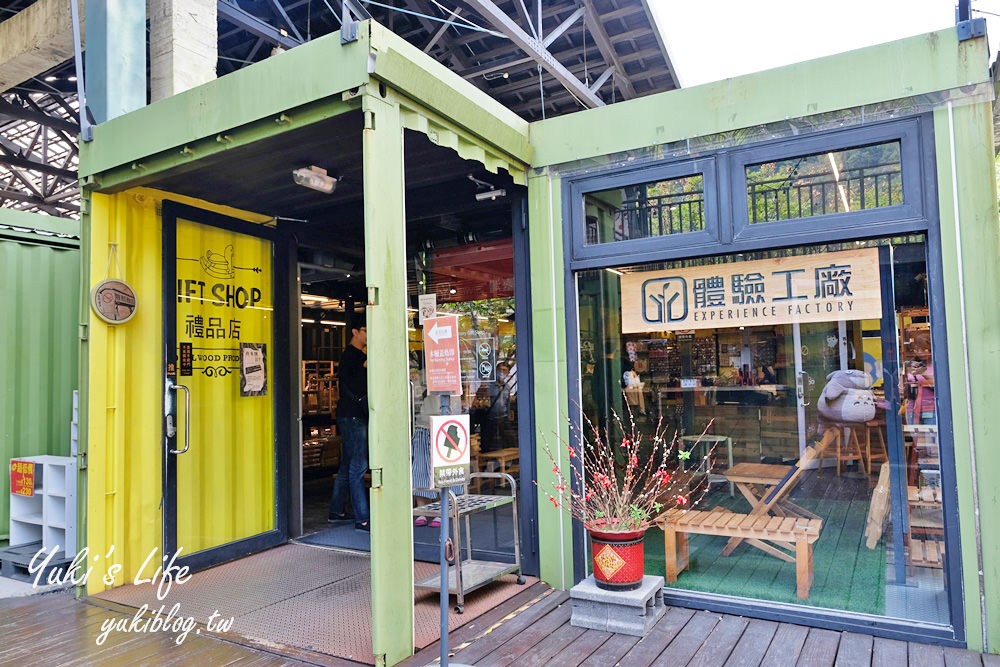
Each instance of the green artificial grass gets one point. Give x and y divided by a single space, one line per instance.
848 575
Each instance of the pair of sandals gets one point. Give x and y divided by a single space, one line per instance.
422 521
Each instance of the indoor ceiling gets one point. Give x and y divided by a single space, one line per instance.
594 52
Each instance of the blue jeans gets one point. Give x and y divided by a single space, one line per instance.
353 466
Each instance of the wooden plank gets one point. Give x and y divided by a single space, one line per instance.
786 645
527 639
990 660
819 649
787 525
573 654
692 517
610 651
750 650
541 654
671 566
511 628
478 625
855 650
720 644
960 657
692 636
803 569
666 629
719 519
925 655
774 524
888 653
933 555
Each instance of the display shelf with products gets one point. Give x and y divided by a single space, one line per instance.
319 388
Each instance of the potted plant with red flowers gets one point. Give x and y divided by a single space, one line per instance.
619 480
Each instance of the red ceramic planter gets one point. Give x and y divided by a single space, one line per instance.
618 558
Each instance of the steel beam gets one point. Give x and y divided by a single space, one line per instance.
537 51
11 111
232 12
607 49
41 167
37 202
563 27
281 10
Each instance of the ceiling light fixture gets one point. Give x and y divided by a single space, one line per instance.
315 178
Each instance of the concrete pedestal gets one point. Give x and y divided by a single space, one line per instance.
627 612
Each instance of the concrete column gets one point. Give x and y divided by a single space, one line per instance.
183 45
116 57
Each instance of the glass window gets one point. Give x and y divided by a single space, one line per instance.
656 208
476 283
840 181
789 381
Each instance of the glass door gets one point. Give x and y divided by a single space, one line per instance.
219 331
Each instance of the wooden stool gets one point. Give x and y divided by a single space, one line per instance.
881 453
848 448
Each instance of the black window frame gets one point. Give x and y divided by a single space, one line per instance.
707 237
912 209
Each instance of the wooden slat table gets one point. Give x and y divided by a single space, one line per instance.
507 460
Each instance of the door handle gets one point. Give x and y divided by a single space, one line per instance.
800 388
187 420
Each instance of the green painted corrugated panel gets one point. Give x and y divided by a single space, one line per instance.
39 349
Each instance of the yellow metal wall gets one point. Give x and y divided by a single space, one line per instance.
125 386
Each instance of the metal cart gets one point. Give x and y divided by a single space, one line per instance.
467 574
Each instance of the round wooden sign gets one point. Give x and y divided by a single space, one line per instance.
114 301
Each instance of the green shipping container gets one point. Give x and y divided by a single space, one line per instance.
39 345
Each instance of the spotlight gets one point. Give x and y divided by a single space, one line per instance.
314 178
490 194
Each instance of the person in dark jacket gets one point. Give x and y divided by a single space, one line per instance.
352 422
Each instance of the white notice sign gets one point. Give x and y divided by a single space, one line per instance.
426 306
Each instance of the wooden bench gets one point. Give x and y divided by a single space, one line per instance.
788 538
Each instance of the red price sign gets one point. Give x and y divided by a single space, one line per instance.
22 477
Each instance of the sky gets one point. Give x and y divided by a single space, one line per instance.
710 40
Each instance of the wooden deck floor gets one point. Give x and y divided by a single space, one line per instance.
532 629
539 634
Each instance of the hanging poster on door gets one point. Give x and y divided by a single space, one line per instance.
253 369
824 287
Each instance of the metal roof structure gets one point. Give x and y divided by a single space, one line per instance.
538 58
